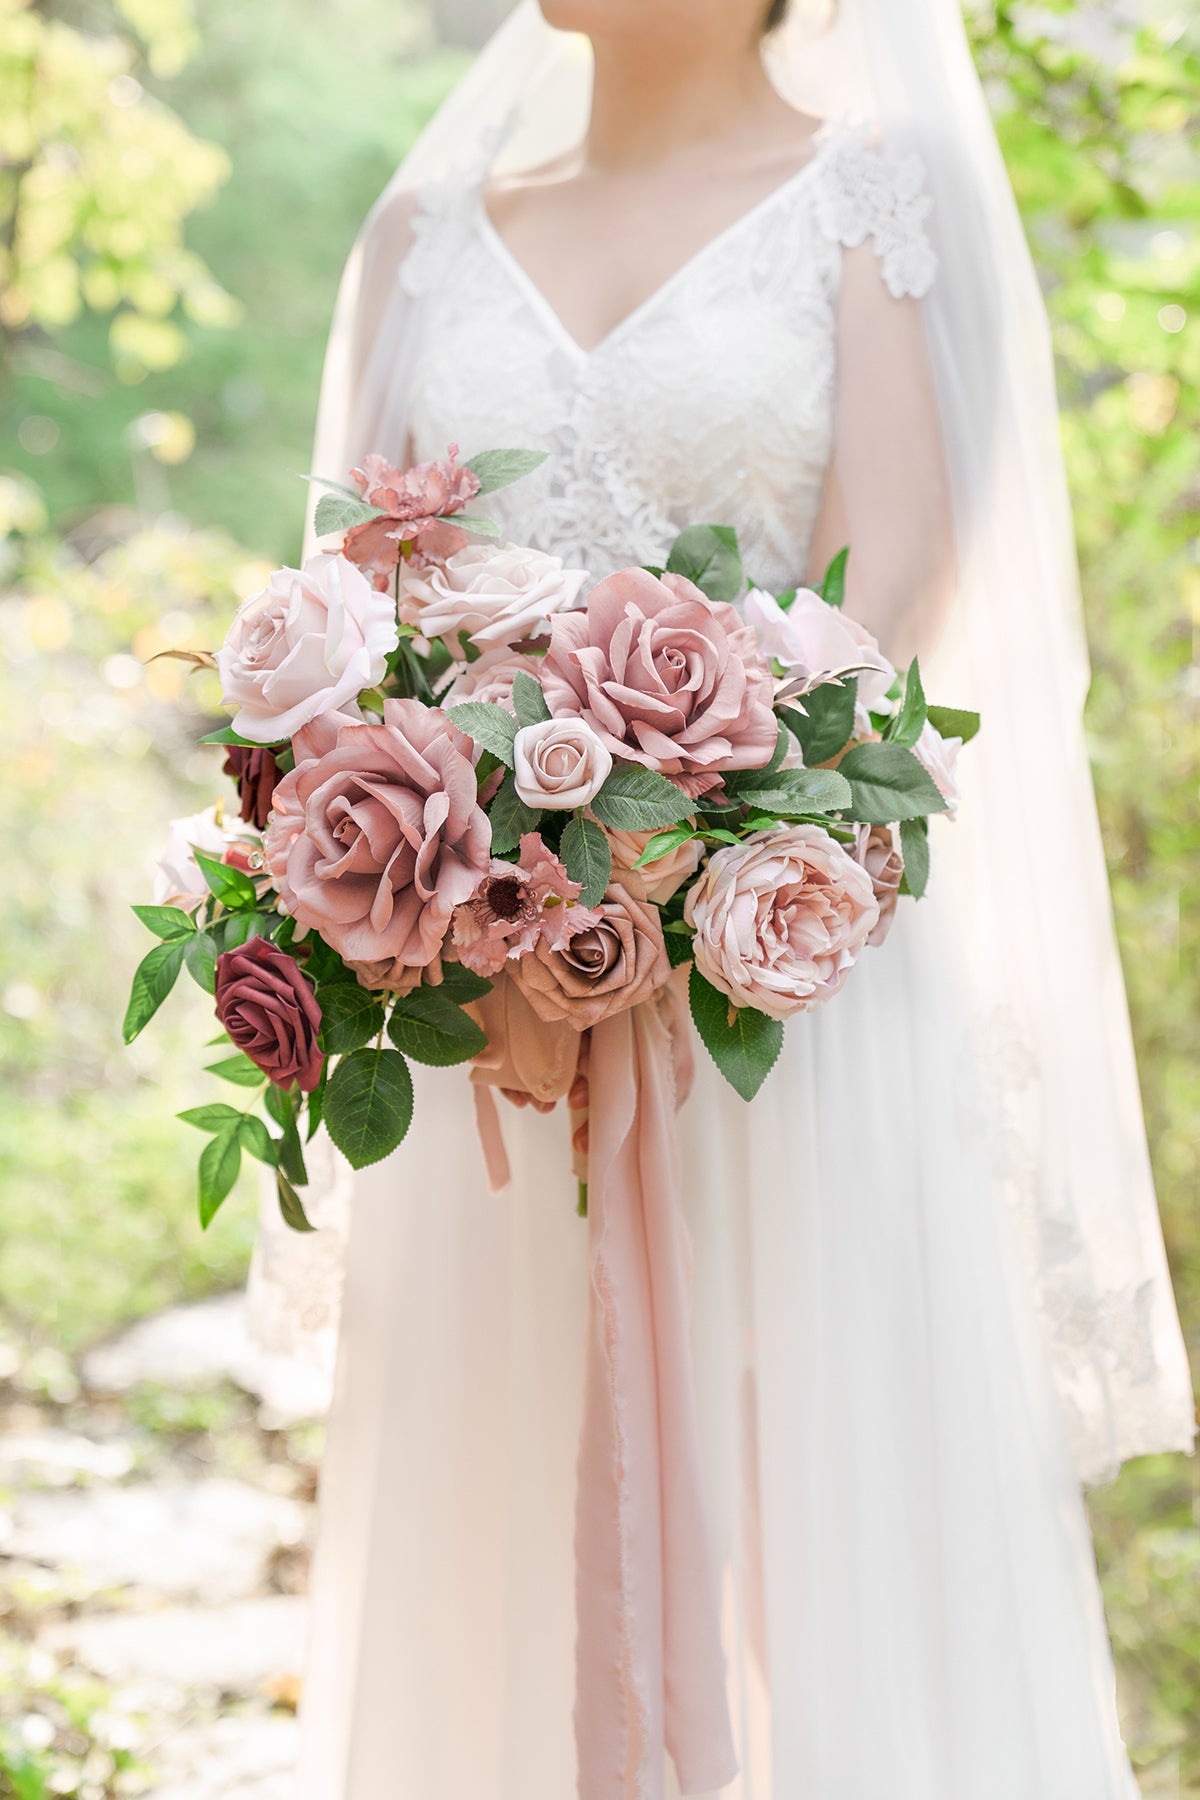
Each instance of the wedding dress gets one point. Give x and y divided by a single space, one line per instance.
909 1600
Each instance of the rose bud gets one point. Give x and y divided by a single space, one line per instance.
559 764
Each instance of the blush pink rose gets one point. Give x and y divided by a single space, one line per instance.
780 919
493 595
559 764
416 503
812 640
666 677
613 964
491 681
939 755
308 644
658 880
270 1011
377 835
879 854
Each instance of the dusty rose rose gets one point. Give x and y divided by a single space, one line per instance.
178 880
270 1011
559 764
257 775
780 919
377 834
308 644
658 880
416 503
614 964
518 905
879 854
666 677
812 639
494 595
939 755
491 681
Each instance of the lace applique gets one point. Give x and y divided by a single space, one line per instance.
441 226
879 194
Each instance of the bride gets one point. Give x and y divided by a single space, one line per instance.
765 271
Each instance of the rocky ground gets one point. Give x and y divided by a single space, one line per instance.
156 1516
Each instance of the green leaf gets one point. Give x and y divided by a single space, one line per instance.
827 722
282 1103
291 1151
833 588
350 1016
905 726
529 701
888 783
637 799
289 1204
914 848
211 1118
473 522
511 818
663 842
243 926
428 1026
153 980
231 886
743 1042
369 1105
200 954
500 468
166 922
791 791
953 723
257 1141
220 1161
338 512
787 599
227 735
316 1103
588 859
679 947
462 984
488 724
708 555
238 1069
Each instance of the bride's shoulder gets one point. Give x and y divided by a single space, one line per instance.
872 188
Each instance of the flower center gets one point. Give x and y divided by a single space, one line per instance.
505 896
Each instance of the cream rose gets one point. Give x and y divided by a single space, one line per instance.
308 644
492 594
812 638
939 755
780 919
559 764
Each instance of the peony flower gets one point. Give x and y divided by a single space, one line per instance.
309 644
377 834
780 918
415 504
658 880
613 964
178 880
812 640
491 681
270 1011
492 594
939 755
517 906
666 677
257 775
878 853
559 764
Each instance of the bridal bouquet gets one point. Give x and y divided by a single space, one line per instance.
482 804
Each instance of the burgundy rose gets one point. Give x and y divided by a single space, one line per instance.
665 676
257 775
270 1011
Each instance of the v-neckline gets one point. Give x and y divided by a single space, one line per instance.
540 304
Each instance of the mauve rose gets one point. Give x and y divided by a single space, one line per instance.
665 676
491 681
812 638
492 594
377 834
257 775
658 880
308 644
939 755
879 854
614 964
559 764
780 918
270 1011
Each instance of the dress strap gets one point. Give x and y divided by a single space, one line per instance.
868 190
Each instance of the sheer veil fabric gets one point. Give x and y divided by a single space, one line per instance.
910 1606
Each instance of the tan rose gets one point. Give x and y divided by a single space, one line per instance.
559 764
879 854
658 880
616 963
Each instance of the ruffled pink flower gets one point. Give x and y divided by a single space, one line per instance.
377 835
416 503
516 907
665 676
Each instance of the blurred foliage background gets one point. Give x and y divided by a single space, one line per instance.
177 193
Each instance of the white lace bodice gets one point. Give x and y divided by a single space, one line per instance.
713 401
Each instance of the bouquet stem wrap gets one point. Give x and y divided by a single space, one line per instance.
650 1665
